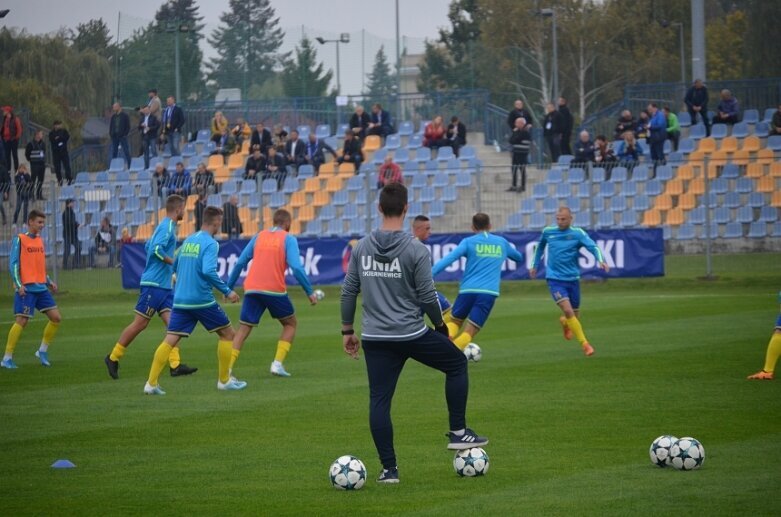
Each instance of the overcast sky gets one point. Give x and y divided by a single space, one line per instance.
314 17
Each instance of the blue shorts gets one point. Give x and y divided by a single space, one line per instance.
778 322
444 303
182 322
255 304
564 290
474 307
25 305
154 300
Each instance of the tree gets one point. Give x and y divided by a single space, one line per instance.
93 35
247 43
304 76
382 83
726 47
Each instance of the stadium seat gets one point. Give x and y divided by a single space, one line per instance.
732 200
675 217
423 155
606 219
449 194
528 206
665 173
730 171
745 214
464 179
401 156
305 213
706 145
550 205
757 230
641 173
687 201
776 231
313 228
653 187
335 227
675 157
117 164
721 215
606 189
674 187
762 129
419 181
444 154
554 176
598 174
684 119
740 130
774 142
718 186
540 191
467 153
756 200
718 131
618 204
641 203
628 219
440 180
750 116
357 225
249 187
618 174
406 128
136 164
652 218
565 159
686 145
776 199
393 141
341 129
372 143
686 232
766 184
697 131
514 222
269 186
427 195
537 221
745 185
697 216
415 142
768 214
307 171
437 208
576 175
729 144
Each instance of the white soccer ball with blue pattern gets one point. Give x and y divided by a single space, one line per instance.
471 462
319 294
347 473
660 450
473 352
687 453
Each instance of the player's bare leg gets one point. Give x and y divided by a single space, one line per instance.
284 344
573 324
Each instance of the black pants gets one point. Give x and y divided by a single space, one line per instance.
519 169
565 146
37 171
12 151
554 145
674 137
62 163
68 242
704 116
384 362
22 205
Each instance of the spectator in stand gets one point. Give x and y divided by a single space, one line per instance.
219 125
552 126
160 177
673 127
225 145
5 188
641 126
728 109
629 151
388 173
24 189
584 150
519 111
775 122
697 104
295 150
231 223
625 123
256 164
35 152
657 134
180 182
204 180
567 123
261 137
148 126
70 236
105 243
200 205
521 141
380 122
315 152
275 166
126 238
434 134
11 133
154 104
456 134
603 154
119 128
359 122
58 137
351 151
280 139
241 131
173 120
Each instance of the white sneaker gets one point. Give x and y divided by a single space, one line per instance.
153 390
278 370
233 384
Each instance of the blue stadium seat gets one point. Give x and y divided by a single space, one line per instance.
335 227
341 129
189 150
554 176
453 164
355 183
562 190
718 131
410 169
422 126
269 186
401 156
303 132
306 171
437 208
756 200
732 200
419 181
762 129
734 230
379 156
136 164
757 230
745 215
750 116
768 116
664 173
740 130
172 161
598 175
597 204
776 231
730 171
340 198
467 153
67 192
540 191
697 131
605 220
774 142
565 159
618 204
618 174
721 215
464 179
628 218
528 206
427 195
711 200
606 189
744 185
290 185
686 232
768 214
675 157
112 205
357 225
684 119
406 128
102 177
584 190
323 131
642 203
332 142
144 190
653 187
444 154
415 207
360 198
278 199
350 211
422 155
697 216
537 221
415 142
576 175
628 189
550 205
514 222
440 180
116 165
203 135
327 213
686 145
230 186
449 194
719 186
313 228
641 173
393 141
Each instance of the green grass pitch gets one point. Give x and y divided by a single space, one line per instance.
569 435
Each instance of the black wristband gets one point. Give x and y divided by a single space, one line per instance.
348 332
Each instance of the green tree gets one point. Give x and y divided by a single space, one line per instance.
93 35
382 82
726 47
304 76
247 43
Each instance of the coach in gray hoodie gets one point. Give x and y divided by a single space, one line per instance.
393 270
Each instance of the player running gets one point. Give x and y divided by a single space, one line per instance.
393 271
772 354
196 269
421 229
485 255
32 284
156 289
271 252
562 272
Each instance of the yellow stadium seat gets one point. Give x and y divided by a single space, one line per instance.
245 214
755 170
295 227
663 202
752 143
775 169
215 160
696 157
222 173
321 198
697 186
652 218
334 184
298 199
766 184
250 228
674 187
372 143
144 232
776 200
675 217
312 184
327 169
236 160
687 201
729 144
685 172
719 158
245 146
306 213
707 145
268 216
741 157
765 156
347 168
186 227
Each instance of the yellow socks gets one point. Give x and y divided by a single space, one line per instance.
447 317
224 353
158 363
283 347
574 326
117 352
13 338
452 328
773 352
173 357
462 340
49 332
234 356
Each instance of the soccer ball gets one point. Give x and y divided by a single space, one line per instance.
660 450
471 462
347 473
687 454
473 352
319 294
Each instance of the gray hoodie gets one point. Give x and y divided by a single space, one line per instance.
393 270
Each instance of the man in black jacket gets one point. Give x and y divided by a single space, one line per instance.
295 150
148 126
231 224
275 167
35 152
359 122
519 111
351 152
697 103
173 120
119 128
380 123
567 123
520 140
58 137
456 134
262 138
256 164
70 236
315 152
552 131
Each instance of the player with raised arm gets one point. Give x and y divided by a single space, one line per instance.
485 255
157 294
271 252
772 354
196 270
562 272
32 285
393 271
421 229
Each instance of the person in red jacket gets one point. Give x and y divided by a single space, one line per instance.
11 132
434 135
388 172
